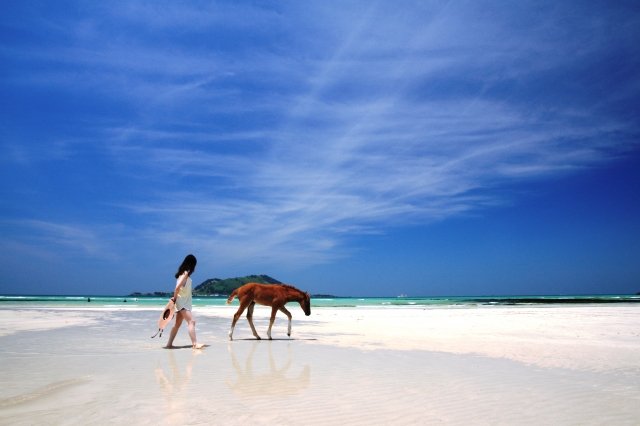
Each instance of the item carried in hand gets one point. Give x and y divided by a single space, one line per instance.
166 317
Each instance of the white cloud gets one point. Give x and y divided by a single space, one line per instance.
322 125
51 240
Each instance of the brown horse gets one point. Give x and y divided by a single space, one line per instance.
274 295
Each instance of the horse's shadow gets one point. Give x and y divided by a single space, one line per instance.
255 381
285 339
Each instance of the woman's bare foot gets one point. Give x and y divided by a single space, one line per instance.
198 346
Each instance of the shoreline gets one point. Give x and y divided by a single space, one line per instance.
488 365
335 302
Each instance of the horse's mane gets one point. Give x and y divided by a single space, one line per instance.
290 287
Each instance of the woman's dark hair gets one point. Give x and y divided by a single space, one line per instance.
188 264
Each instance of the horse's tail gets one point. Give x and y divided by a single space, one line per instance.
232 296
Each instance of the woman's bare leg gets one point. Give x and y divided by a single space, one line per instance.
174 330
191 323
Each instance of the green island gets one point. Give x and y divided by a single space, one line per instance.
224 287
217 286
220 287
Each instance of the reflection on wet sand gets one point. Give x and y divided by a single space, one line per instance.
174 387
263 381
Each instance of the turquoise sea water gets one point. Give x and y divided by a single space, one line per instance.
381 302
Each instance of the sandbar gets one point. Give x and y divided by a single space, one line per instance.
472 365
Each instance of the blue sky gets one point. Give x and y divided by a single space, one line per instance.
353 148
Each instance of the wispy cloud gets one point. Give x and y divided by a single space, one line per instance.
66 239
314 126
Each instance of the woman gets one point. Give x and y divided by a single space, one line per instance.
182 299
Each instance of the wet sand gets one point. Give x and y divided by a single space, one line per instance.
520 365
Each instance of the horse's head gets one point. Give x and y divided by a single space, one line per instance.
305 304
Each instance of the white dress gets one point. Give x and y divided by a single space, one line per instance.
184 296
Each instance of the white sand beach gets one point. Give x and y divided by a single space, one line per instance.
471 365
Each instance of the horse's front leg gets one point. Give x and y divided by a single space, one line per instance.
274 310
250 319
288 314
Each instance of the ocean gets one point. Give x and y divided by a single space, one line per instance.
153 302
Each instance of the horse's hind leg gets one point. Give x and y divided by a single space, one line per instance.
236 316
250 319
288 314
274 310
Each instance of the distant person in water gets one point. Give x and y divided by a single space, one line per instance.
182 299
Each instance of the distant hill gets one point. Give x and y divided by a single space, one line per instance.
226 286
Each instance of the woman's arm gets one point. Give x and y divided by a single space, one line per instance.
182 279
